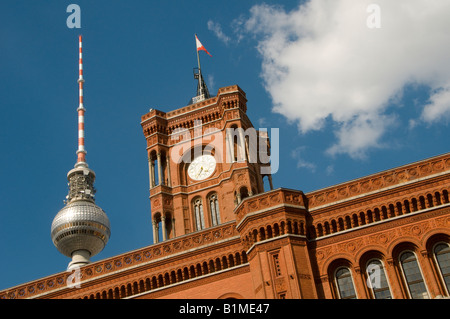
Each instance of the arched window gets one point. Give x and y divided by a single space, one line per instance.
445 196
244 192
157 228
442 255
344 283
377 281
234 144
413 276
198 214
214 209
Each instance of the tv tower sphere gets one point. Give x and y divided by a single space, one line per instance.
81 229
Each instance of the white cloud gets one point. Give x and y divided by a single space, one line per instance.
211 83
329 170
217 30
301 163
412 124
262 122
439 106
237 27
356 136
323 66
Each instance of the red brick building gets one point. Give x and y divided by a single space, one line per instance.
219 234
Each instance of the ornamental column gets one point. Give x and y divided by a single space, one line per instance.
155 231
163 226
169 181
393 279
242 140
173 227
238 196
159 168
150 173
230 146
360 284
424 260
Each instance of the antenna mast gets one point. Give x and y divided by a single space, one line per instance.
81 152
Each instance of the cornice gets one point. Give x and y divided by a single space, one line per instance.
381 225
179 246
425 170
183 111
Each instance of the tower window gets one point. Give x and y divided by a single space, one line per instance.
198 214
214 209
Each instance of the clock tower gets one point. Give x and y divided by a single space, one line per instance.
203 160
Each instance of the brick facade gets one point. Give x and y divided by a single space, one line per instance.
277 243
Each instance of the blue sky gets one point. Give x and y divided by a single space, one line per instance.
348 100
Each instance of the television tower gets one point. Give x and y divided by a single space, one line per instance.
81 229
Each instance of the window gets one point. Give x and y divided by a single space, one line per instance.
198 214
233 143
244 192
442 255
344 283
413 276
214 209
377 280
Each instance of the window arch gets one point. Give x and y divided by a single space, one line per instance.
413 275
377 281
344 283
198 213
235 143
441 253
214 209
244 192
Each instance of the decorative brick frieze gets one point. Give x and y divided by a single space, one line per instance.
179 245
378 182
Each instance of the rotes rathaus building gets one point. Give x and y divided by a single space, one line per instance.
218 233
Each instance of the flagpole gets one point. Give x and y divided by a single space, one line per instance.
199 70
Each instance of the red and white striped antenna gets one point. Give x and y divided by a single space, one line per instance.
81 152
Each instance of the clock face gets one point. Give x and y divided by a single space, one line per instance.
202 167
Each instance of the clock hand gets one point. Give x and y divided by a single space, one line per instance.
201 169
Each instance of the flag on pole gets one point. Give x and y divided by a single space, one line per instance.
200 46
